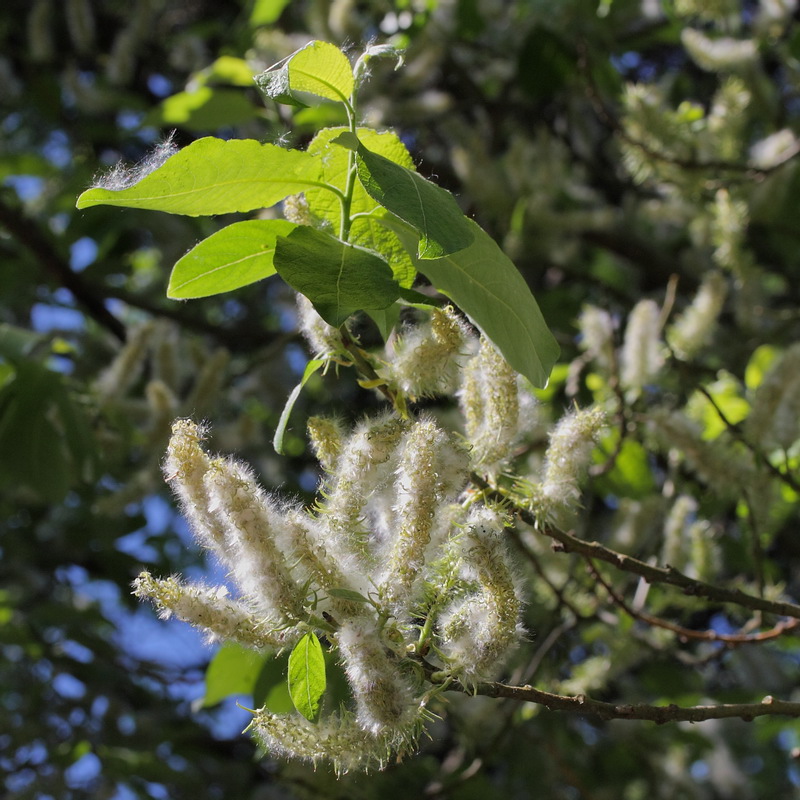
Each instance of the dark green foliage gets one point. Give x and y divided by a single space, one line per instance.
519 110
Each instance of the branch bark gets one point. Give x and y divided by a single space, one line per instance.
34 239
568 542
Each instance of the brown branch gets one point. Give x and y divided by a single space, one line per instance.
238 338
731 639
568 542
40 244
581 704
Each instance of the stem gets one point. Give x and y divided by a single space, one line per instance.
367 371
347 199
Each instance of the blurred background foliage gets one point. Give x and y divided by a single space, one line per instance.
619 150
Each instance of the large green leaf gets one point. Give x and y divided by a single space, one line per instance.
338 278
213 176
320 68
366 231
484 283
307 676
233 670
228 259
431 210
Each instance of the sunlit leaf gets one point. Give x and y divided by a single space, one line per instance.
236 256
307 676
320 68
431 210
213 176
366 229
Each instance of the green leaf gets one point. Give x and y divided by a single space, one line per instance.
320 68
310 369
759 364
205 109
233 670
348 594
631 475
236 256
335 161
386 319
366 231
338 278
265 12
726 392
212 176
33 446
307 676
484 283
230 70
431 210
17 343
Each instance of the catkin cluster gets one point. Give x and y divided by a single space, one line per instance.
386 566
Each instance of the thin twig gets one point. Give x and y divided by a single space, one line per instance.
581 704
568 542
732 639
736 431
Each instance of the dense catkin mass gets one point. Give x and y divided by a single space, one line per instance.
386 536
427 358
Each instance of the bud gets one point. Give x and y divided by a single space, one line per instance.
775 417
295 209
324 340
597 336
184 468
566 460
208 384
40 33
364 464
478 631
80 24
718 55
326 437
127 366
719 463
338 738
